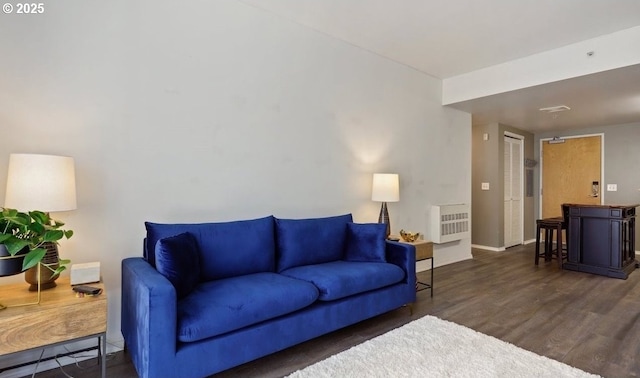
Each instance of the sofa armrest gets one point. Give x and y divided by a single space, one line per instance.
404 256
149 317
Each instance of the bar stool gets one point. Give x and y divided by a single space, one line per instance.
549 225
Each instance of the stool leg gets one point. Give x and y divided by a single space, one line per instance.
552 251
554 241
537 243
547 244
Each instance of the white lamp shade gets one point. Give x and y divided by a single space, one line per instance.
385 188
40 182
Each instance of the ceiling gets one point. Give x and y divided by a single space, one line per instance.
445 38
605 98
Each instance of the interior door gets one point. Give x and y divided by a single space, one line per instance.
570 171
513 188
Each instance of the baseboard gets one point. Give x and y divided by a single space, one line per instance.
499 249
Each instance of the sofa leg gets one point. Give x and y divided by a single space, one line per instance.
410 307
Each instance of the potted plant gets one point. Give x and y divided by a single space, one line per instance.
32 236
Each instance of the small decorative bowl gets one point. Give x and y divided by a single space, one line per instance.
409 236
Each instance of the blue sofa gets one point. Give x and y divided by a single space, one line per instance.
207 297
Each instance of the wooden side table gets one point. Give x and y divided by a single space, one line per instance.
60 318
424 251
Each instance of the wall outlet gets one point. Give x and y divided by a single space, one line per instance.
612 187
485 186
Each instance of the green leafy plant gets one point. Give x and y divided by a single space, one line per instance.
32 230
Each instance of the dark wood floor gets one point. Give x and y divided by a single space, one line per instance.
587 321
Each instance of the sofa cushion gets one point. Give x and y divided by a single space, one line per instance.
366 242
339 279
225 305
310 241
177 259
227 249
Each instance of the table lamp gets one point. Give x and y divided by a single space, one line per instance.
385 188
46 183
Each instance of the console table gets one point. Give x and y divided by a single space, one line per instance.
60 318
601 239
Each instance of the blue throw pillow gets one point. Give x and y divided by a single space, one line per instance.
366 242
177 259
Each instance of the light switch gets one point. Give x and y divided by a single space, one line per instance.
612 187
485 186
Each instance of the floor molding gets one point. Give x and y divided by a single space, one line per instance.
487 248
499 249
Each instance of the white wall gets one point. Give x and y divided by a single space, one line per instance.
214 111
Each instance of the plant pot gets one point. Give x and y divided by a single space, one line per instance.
47 281
11 265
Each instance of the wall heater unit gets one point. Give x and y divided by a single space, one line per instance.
450 223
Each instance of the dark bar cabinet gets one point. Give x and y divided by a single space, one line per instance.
601 239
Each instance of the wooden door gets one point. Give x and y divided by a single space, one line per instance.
569 170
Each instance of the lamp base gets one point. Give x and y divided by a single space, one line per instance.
384 218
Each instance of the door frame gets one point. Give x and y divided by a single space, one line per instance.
522 174
602 186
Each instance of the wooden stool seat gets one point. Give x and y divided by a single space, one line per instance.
549 225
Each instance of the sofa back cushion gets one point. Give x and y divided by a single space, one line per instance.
226 249
310 241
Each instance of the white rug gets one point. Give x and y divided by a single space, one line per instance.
431 347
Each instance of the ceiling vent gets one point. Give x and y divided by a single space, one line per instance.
554 109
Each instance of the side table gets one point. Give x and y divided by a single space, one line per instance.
424 251
60 318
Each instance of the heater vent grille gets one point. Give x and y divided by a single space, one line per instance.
450 223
